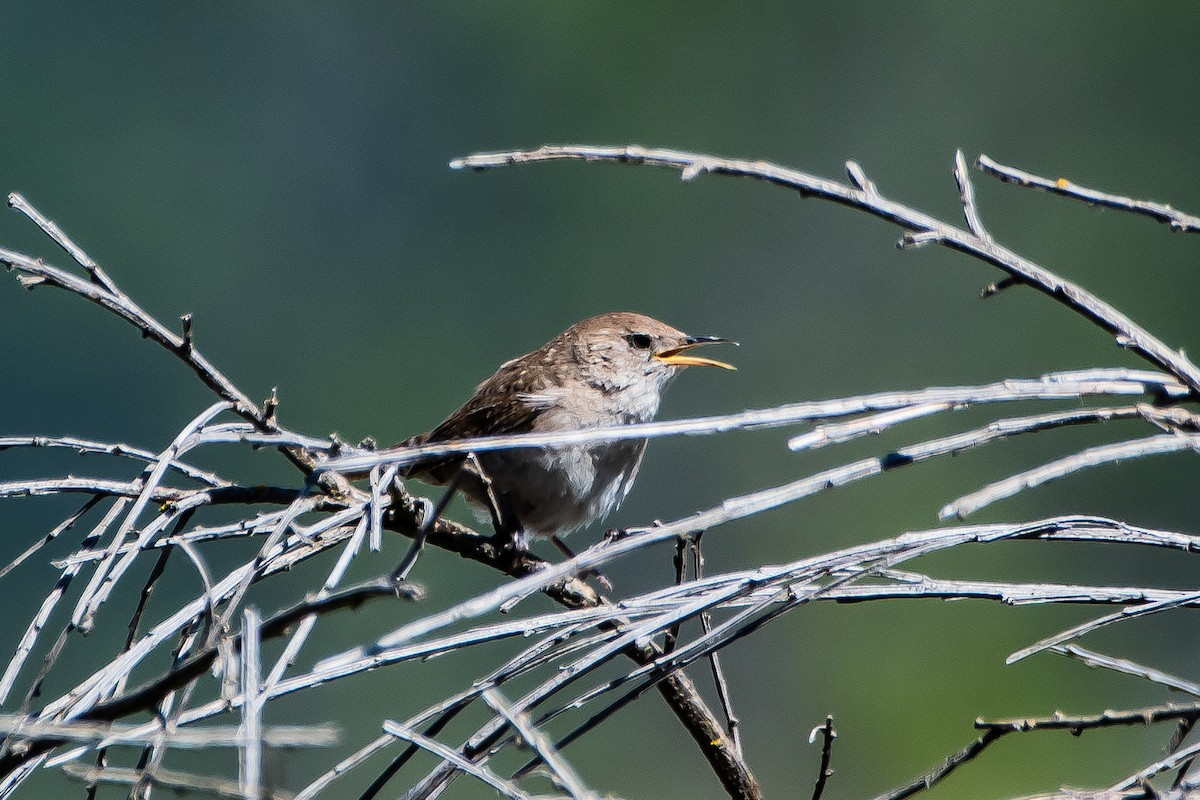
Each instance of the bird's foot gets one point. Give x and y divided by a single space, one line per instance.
511 548
601 579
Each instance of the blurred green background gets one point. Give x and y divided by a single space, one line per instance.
279 171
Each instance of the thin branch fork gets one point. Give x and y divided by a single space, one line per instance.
910 546
112 299
403 516
763 587
682 693
924 229
105 293
101 290
1100 661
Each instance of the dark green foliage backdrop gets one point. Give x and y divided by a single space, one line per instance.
279 170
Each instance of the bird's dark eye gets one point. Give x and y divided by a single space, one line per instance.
640 341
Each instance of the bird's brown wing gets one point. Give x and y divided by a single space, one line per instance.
510 401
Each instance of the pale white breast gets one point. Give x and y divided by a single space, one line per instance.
579 483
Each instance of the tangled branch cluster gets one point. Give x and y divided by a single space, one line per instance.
217 669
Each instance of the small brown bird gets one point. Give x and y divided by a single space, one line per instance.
607 370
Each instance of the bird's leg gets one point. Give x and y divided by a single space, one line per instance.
562 546
519 540
566 550
504 520
473 465
507 526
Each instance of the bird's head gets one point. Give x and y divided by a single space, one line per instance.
623 350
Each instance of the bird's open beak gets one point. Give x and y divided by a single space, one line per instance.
677 357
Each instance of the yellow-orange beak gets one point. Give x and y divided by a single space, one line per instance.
676 356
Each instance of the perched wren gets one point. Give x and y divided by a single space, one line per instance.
607 370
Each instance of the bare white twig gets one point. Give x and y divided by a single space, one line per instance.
1099 660
196 737
112 567
56 234
250 754
871 424
912 586
109 448
48 605
98 487
450 756
184 782
305 627
966 193
999 429
1126 332
565 652
1091 457
564 774
1064 385
381 481
1178 220
1119 616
